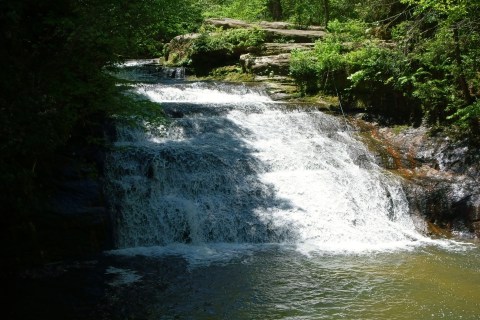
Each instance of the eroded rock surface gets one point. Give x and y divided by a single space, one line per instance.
441 176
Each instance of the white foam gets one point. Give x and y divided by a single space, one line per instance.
202 93
137 62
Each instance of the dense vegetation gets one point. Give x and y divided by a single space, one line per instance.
427 69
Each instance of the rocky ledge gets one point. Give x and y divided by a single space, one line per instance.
441 176
271 58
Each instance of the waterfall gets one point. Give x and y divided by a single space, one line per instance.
232 166
149 71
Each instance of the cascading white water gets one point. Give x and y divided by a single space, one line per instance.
148 70
235 167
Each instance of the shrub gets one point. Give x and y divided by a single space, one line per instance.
223 47
252 10
364 74
350 30
302 69
228 40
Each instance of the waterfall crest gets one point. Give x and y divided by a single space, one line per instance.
235 167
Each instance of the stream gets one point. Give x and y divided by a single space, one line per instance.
244 208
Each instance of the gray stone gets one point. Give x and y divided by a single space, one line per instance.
266 65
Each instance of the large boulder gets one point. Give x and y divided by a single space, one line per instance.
227 23
266 65
178 50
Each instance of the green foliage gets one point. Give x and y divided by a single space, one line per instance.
448 55
161 20
253 10
230 74
347 31
381 12
300 12
228 40
431 70
302 69
453 8
365 73
468 120
224 47
303 13
329 55
135 110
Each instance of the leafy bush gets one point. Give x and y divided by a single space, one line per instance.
53 85
304 13
302 69
224 47
468 118
350 30
365 74
228 40
252 10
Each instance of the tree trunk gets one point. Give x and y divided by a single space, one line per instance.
326 11
459 61
275 8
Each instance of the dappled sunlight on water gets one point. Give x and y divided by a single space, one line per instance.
278 282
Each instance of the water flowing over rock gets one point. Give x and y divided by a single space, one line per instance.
442 176
235 167
149 70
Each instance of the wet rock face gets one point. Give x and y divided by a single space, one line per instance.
447 204
441 175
